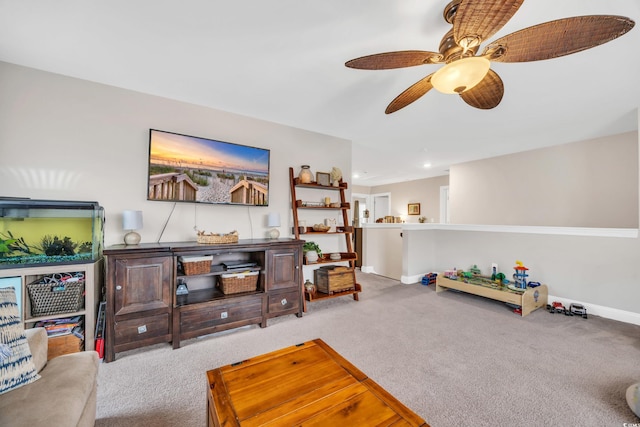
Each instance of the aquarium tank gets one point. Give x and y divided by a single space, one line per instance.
46 232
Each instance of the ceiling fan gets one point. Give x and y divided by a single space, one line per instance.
474 22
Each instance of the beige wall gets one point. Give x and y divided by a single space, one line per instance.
584 184
387 262
360 189
424 191
68 139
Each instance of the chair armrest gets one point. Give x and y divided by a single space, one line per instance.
39 345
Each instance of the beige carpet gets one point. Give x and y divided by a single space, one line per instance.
454 359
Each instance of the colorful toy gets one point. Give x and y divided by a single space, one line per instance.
558 307
574 309
451 274
500 278
520 276
578 310
494 270
475 270
429 279
515 289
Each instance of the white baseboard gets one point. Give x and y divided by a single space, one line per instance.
408 280
602 311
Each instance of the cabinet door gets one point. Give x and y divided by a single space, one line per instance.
142 284
283 270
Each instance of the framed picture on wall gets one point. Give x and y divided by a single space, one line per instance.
413 208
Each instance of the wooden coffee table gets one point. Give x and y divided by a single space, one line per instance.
308 384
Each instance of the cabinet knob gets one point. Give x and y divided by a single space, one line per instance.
118 288
283 301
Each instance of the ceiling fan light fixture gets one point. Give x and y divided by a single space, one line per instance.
461 75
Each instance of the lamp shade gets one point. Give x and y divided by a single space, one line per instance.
132 220
461 75
273 220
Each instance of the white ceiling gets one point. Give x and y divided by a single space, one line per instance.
283 61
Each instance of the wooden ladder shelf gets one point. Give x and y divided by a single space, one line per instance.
345 230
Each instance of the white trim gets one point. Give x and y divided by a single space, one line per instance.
602 311
367 269
383 225
410 280
444 205
568 231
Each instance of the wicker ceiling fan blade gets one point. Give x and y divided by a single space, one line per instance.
476 21
487 94
399 59
558 38
411 94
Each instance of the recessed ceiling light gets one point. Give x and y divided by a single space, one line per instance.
427 165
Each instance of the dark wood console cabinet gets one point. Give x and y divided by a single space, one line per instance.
141 282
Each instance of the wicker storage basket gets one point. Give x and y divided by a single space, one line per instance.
55 298
196 265
240 282
212 239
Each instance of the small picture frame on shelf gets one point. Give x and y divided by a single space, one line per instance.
413 208
323 178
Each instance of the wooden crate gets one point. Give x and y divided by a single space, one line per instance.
63 345
333 278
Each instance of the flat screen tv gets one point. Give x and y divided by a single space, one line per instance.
185 168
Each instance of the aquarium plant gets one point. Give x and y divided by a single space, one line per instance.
54 246
10 244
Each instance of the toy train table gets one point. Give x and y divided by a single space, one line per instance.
528 299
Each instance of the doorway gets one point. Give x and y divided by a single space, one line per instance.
445 215
378 205
381 206
360 203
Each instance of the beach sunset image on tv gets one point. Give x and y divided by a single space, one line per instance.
199 170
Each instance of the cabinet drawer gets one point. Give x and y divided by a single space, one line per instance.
282 302
217 313
132 333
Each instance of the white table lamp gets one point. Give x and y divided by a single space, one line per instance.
132 220
273 220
